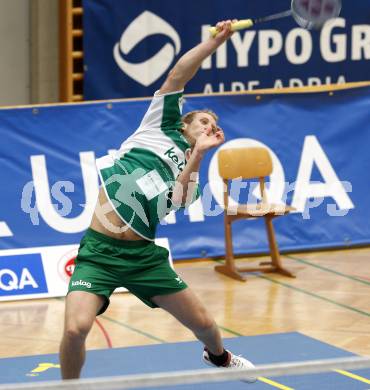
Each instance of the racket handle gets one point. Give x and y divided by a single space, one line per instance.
239 25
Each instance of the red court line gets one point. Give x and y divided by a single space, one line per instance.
105 333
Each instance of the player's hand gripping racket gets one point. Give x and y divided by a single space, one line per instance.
309 14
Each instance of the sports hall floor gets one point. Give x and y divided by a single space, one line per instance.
323 313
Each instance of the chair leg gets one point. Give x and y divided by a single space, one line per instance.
229 268
274 250
229 246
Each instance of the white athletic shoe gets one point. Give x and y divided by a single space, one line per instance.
234 362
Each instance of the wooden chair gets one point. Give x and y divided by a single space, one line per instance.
249 163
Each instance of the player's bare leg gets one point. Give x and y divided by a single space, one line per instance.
76 327
187 308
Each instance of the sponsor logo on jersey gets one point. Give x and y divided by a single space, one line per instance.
174 158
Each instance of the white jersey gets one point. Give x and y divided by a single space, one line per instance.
139 179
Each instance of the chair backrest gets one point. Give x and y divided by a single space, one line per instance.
246 163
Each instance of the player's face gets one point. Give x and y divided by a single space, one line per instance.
201 123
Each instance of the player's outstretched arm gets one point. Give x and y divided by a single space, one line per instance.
188 65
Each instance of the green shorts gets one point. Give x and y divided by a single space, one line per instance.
104 263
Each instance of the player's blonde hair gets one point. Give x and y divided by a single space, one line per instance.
189 116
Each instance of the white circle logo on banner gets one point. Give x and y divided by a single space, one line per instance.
149 71
275 189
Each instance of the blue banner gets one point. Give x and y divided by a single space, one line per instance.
129 47
22 275
318 141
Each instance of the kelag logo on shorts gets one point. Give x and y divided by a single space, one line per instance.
21 275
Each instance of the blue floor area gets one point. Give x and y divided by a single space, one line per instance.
263 349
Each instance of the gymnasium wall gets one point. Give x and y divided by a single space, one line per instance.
15 52
29 52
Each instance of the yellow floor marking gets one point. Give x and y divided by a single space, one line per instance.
353 376
273 383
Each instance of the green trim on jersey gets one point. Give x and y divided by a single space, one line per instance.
139 181
172 111
128 198
144 158
171 123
